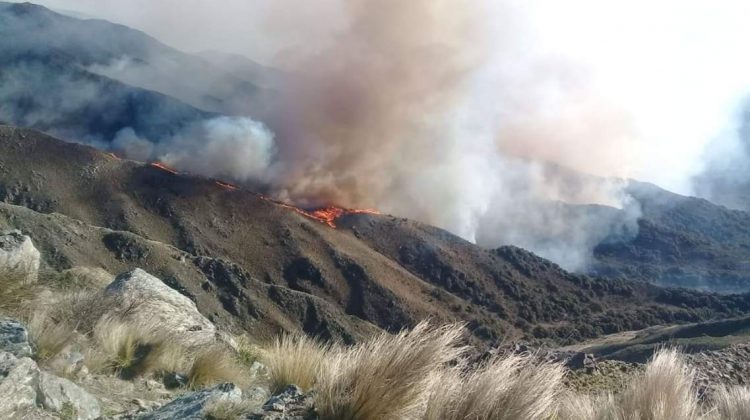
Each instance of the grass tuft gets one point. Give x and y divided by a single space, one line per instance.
293 360
228 410
216 364
510 387
387 376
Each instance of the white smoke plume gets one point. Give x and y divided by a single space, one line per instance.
236 148
457 113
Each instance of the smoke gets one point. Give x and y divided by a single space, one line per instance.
459 114
726 177
229 147
449 122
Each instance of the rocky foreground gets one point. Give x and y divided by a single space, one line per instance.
49 371
34 385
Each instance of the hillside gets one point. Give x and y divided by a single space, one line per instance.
251 263
85 80
681 241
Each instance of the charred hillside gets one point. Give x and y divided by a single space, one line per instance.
252 263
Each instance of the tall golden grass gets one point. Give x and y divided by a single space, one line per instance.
422 374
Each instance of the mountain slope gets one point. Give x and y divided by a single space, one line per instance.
681 241
250 260
85 80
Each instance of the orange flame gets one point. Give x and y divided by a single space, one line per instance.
163 167
326 215
226 186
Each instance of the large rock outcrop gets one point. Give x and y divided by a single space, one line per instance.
147 302
19 257
191 406
24 387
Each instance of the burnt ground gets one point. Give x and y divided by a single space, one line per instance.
254 265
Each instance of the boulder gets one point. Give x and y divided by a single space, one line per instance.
18 385
190 406
23 387
148 302
14 338
61 395
19 257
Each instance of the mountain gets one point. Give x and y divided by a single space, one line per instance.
252 263
86 80
681 241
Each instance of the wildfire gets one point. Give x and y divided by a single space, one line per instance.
164 167
226 186
326 215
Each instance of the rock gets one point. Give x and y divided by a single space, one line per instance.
190 406
61 395
23 387
71 364
175 380
14 338
290 404
150 302
19 257
18 385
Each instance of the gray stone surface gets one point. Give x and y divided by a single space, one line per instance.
24 389
18 385
14 338
58 394
19 257
150 302
190 406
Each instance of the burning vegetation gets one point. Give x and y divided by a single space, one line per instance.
165 168
326 215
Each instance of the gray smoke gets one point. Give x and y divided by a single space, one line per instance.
726 177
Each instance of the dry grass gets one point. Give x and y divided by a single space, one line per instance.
216 364
60 321
15 294
293 360
512 387
134 350
665 391
386 377
48 336
422 375
247 352
228 410
731 403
